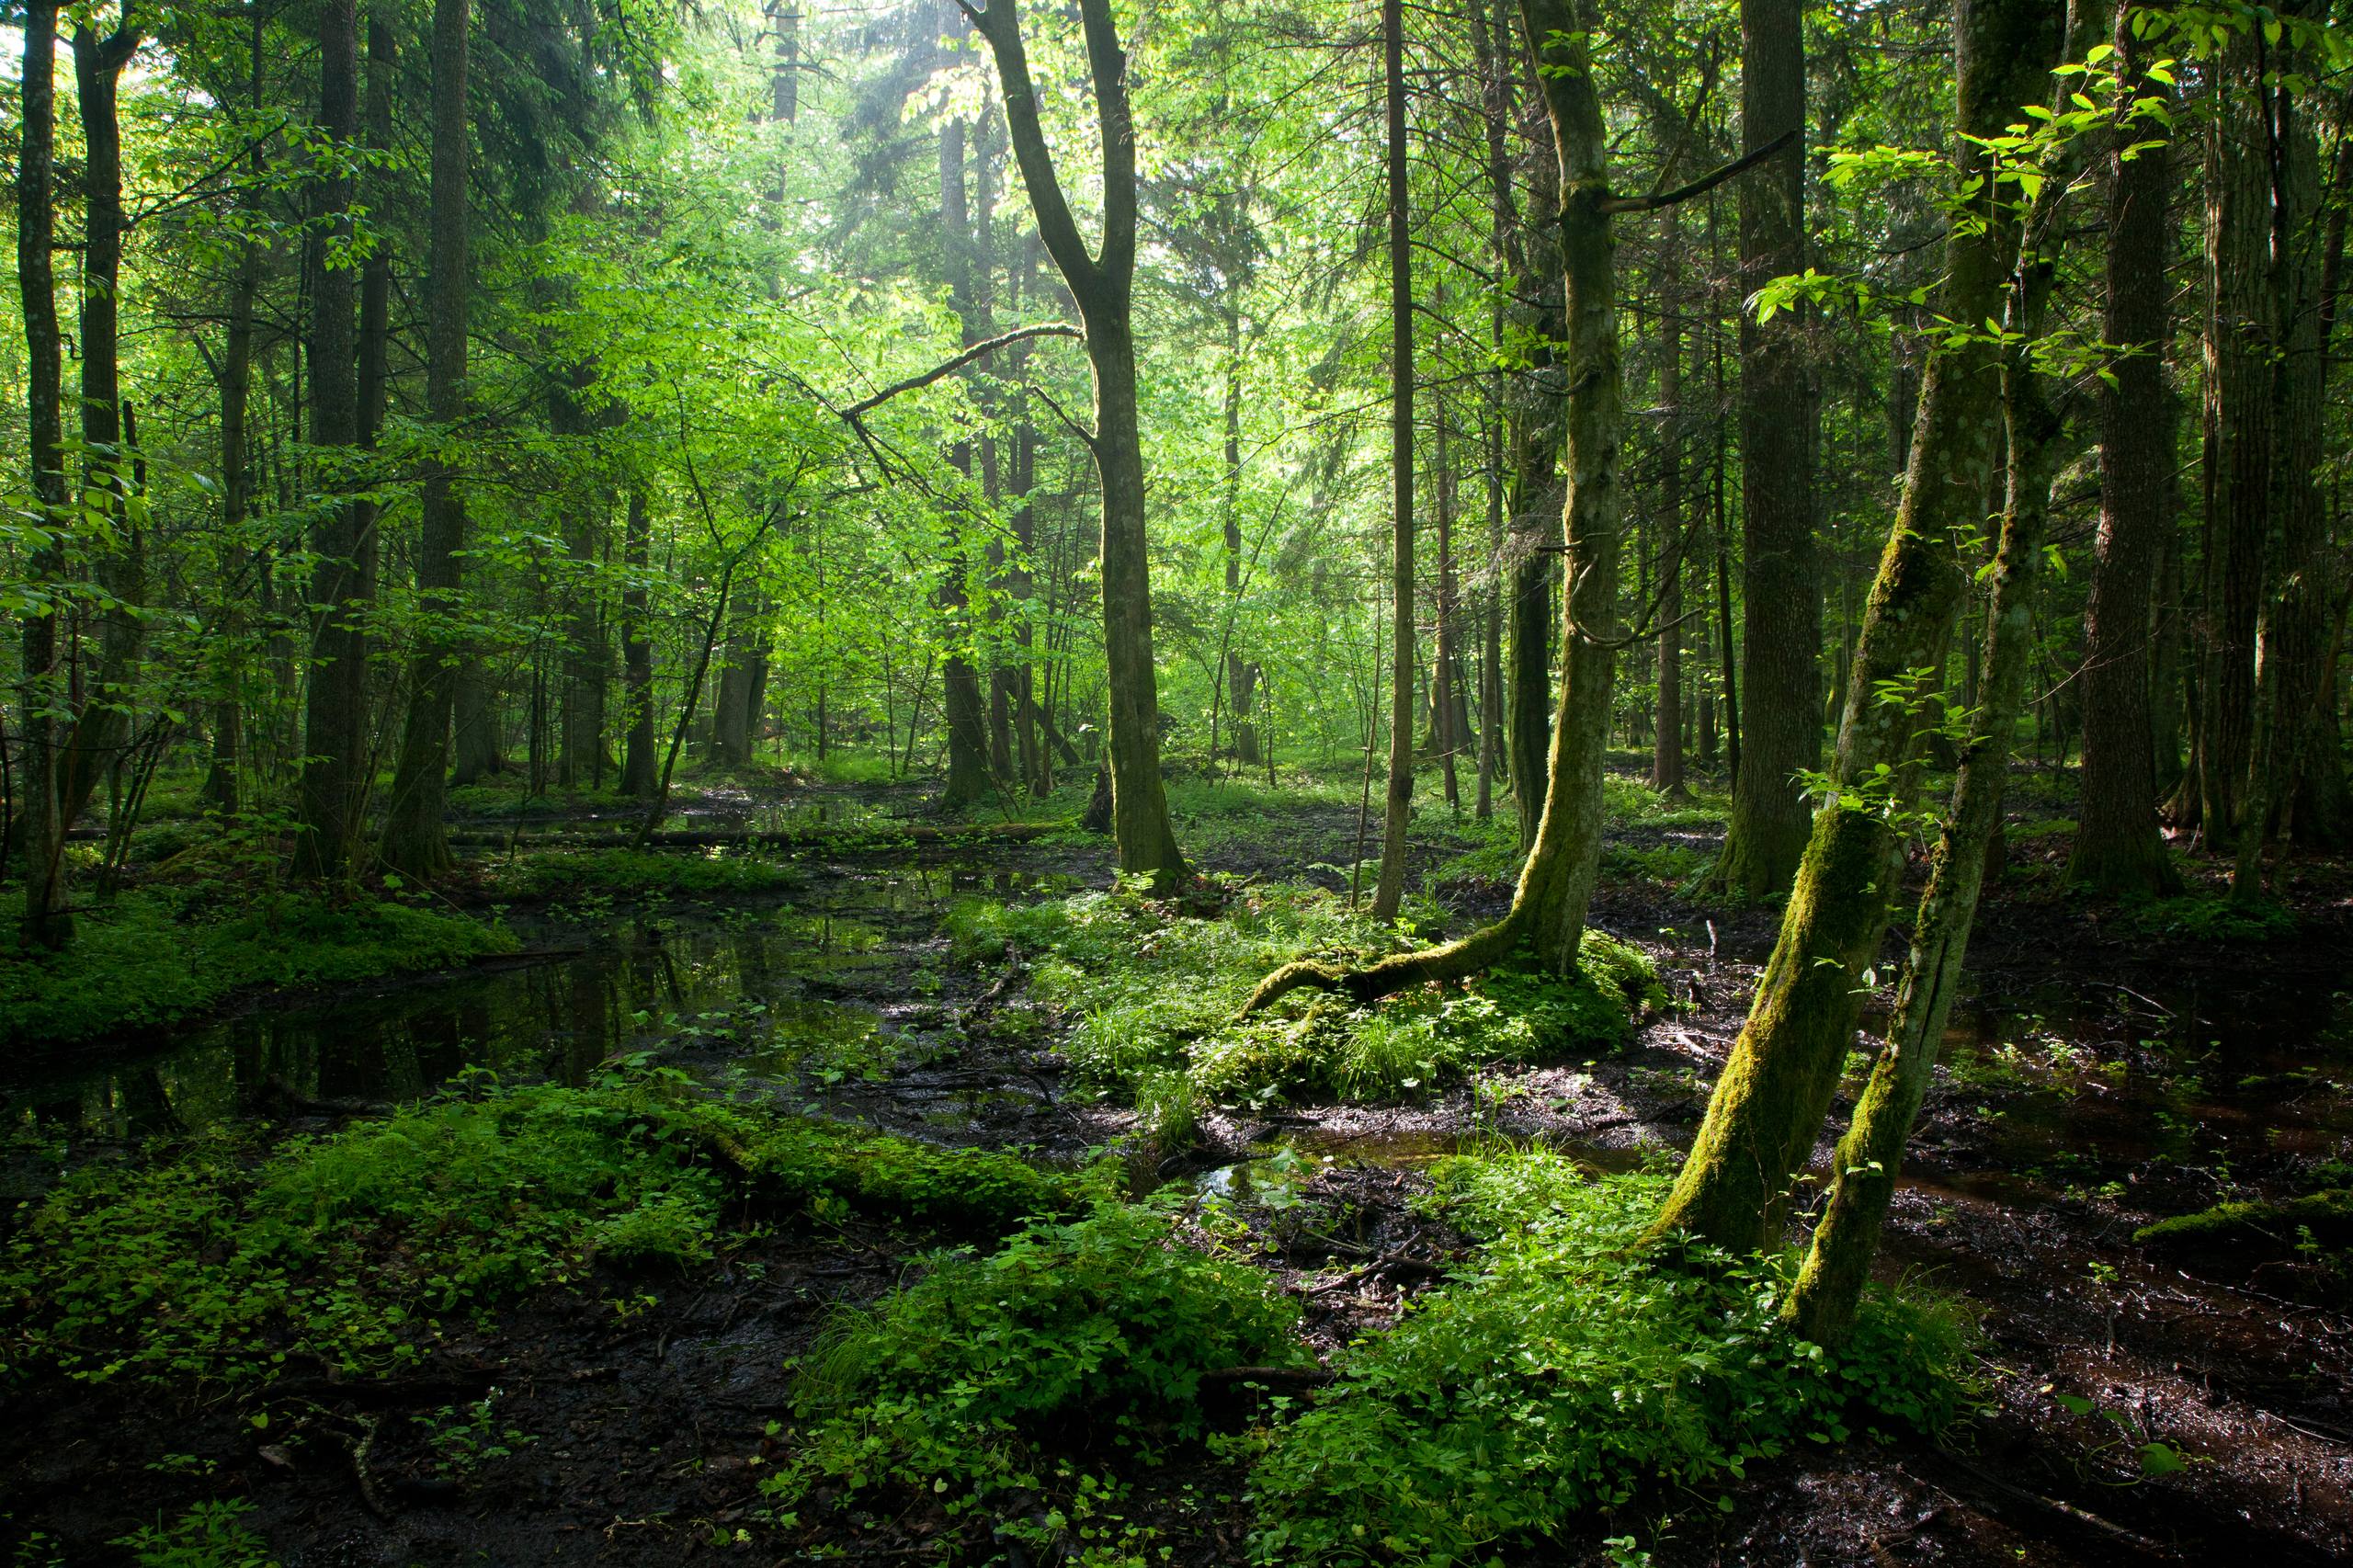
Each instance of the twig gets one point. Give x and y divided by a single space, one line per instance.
1701 185
977 351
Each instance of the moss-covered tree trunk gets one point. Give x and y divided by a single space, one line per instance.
1547 915
1837 1264
1769 1106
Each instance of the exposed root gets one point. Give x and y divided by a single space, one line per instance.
1458 959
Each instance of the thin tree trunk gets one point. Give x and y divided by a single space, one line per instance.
637 652
1389 891
1666 735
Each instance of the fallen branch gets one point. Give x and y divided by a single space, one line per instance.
770 838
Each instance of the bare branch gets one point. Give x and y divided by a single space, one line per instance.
977 351
1701 185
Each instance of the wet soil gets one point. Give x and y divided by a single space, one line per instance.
2138 1408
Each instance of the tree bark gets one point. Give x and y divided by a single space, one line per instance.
1103 286
414 843
1768 1105
1666 735
43 924
334 710
1546 921
2118 848
1780 639
637 651
1398 799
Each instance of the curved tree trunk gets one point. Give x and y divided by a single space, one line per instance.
1769 1106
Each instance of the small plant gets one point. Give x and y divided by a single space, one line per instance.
209 1535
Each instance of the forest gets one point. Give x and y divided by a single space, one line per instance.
1121 783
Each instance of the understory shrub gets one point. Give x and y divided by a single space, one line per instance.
1073 1340
1574 1371
1155 991
223 1259
147 958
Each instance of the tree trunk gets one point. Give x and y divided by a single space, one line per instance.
2117 846
1546 920
1103 287
1780 638
43 924
101 729
415 844
1768 1105
1398 800
637 652
335 710
2240 340
1666 735
1837 1264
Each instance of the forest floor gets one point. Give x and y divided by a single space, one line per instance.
2139 1404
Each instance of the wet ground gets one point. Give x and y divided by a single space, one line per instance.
2140 1407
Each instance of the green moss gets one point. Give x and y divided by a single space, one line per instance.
1075 1341
1569 1372
2323 1218
224 1257
1153 990
156 957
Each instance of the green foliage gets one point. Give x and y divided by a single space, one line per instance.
155 957
2209 917
209 1535
221 1261
625 872
1576 1368
1080 1338
1155 991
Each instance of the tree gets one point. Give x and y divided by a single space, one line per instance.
2118 848
415 844
335 731
43 924
1769 1106
1398 800
1780 638
1103 285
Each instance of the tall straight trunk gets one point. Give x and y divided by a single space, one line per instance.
637 651
1241 672
476 731
1780 638
1037 767
414 842
334 710
1837 1264
2293 632
2240 341
1491 603
1449 723
1768 1105
1398 800
2118 848
1103 286
101 729
967 739
1666 735
43 924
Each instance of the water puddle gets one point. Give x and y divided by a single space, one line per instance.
827 990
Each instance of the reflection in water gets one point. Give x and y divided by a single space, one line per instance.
762 987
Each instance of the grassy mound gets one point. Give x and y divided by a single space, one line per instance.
150 957
1156 992
1574 1372
224 1260
1076 1341
548 873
